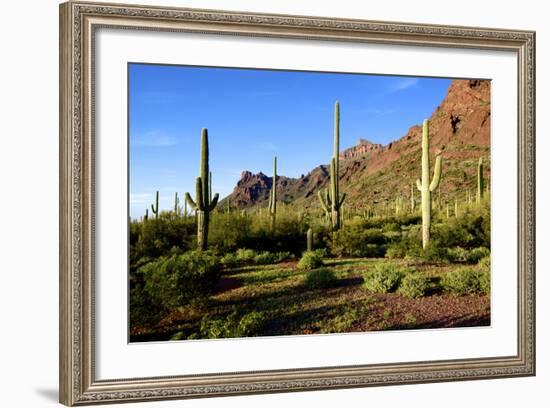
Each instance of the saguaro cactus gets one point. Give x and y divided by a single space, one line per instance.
184 209
146 216
202 204
309 240
272 206
425 186
331 201
480 181
155 208
456 208
413 202
176 204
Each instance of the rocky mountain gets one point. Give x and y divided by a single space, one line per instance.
374 174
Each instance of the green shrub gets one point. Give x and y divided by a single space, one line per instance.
232 325
414 285
383 278
457 254
144 312
320 278
466 281
476 254
181 279
310 260
251 324
264 258
354 240
472 256
229 260
485 264
244 255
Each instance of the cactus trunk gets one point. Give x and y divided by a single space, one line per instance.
425 186
413 203
273 196
203 204
155 208
309 240
176 204
331 201
480 181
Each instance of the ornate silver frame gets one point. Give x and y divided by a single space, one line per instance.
78 21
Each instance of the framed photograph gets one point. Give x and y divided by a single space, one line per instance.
256 203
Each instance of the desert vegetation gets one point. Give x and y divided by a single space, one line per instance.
210 269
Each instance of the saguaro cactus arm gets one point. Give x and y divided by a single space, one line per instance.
155 207
437 174
190 202
418 184
214 201
322 200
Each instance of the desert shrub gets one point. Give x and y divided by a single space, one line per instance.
476 254
354 240
310 260
144 312
414 285
466 281
232 325
180 279
470 230
155 238
227 232
229 260
321 252
472 256
457 254
282 256
320 278
264 258
409 245
244 255
383 278
485 263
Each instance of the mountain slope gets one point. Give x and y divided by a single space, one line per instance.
373 175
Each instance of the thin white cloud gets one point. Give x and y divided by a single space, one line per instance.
403 84
155 138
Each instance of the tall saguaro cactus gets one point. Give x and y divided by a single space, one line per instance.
309 240
272 206
331 201
155 208
413 202
480 181
176 205
203 205
425 186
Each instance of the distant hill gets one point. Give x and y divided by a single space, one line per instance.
375 174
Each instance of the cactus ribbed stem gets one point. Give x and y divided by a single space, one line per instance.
425 186
413 202
309 240
203 204
155 208
272 205
332 202
480 181
176 204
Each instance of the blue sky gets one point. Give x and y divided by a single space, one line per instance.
253 115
